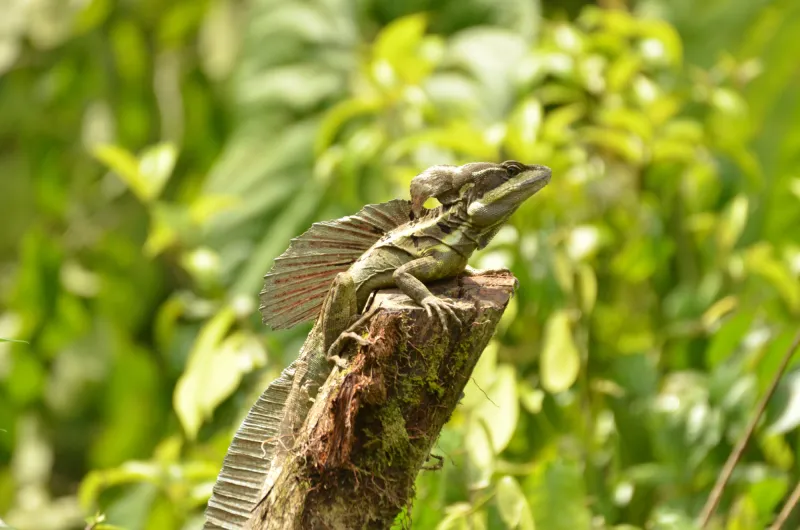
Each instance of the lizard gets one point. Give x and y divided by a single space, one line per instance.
329 272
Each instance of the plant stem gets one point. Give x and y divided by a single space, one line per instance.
725 475
794 498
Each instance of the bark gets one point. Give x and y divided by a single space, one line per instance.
373 424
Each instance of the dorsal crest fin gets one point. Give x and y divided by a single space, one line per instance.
296 285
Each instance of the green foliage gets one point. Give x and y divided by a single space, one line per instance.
158 155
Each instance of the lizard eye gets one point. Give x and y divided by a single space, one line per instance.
512 168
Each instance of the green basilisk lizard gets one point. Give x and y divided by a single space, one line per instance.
329 273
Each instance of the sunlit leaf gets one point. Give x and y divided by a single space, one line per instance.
627 120
785 406
530 397
483 376
661 44
122 162
395 51
201 388
743 515
500 408
513 505
587 287
480 454
338 116
146 176
560 360
455 517
617 143
732 223
760 260
130 472
718 310
155 167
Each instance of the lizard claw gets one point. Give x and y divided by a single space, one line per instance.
442 309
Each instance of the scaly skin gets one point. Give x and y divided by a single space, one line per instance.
477 199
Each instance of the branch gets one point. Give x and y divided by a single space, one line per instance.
727 470
790 505
373 424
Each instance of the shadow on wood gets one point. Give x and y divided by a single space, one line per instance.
373 423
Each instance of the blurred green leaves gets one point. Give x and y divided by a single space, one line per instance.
151 187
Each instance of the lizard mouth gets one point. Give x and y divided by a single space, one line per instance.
538 173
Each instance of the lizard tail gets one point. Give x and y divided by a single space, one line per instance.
296 285
241 483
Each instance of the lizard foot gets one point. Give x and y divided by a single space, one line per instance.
436 466
442 309
338 344
349 334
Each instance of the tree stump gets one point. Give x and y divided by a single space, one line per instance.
373 423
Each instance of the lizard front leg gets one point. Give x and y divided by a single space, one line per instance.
409 278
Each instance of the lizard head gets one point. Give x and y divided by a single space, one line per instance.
500 189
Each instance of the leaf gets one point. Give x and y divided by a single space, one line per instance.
560 361
397 48
480 455
587 287
662 33
120 161
337 117
14 340
760 260
626 120
483 376
95 482
732 223
145 177
743 515
455 517
620 143
530 397
500 410
155 167
199 388
728 337
718 310
557 495
512 504
784 409
217 371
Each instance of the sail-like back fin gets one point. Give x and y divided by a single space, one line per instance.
296 285
240 484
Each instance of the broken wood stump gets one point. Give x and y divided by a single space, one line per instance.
374 422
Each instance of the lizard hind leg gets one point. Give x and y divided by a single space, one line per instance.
339 309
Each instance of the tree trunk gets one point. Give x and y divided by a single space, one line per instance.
373 424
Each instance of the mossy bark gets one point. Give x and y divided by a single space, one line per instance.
373 424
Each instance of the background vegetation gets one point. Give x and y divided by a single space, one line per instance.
155 156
